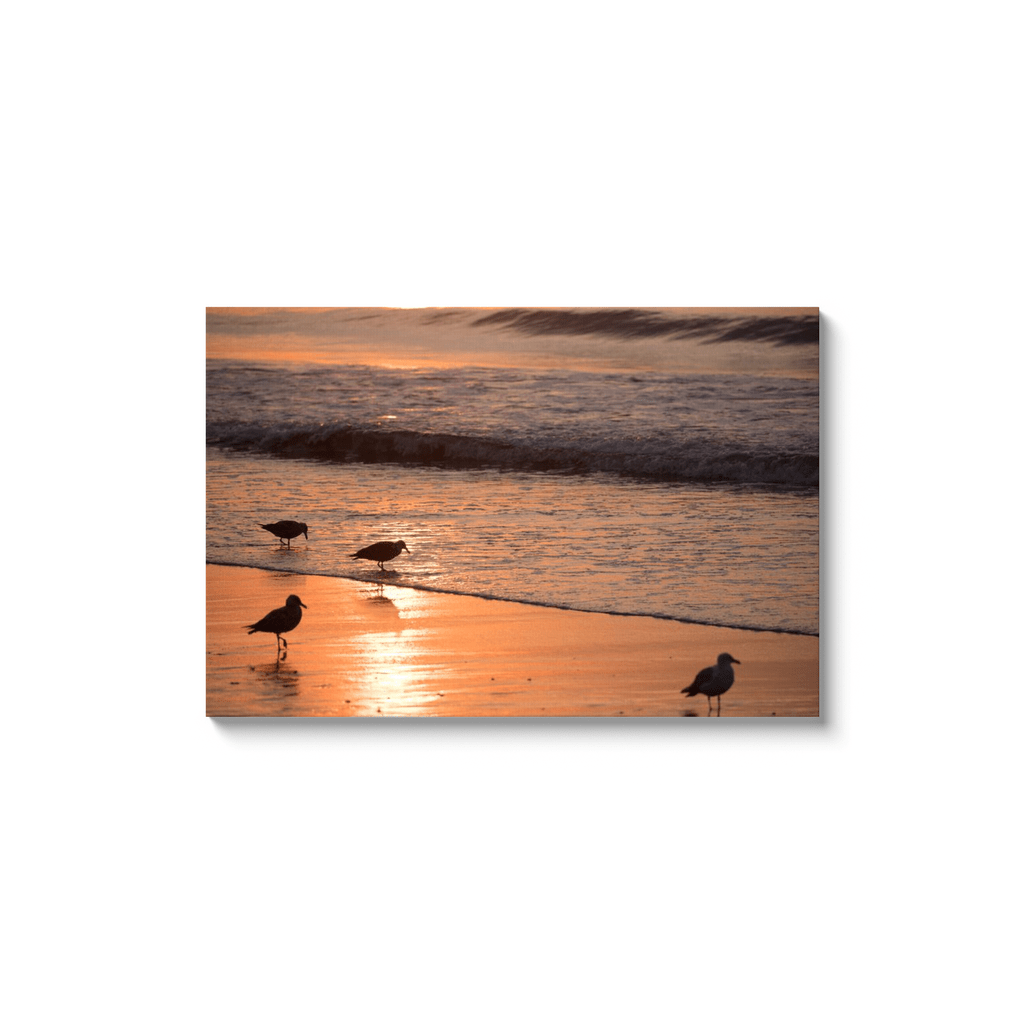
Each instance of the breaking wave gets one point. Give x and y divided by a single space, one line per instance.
697 461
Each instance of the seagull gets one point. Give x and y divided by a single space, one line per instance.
713 681
286 529
280 620
383 551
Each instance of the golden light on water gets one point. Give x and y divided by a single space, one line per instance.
388 668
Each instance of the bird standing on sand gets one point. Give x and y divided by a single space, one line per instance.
285 530
713 681
280 620
383 551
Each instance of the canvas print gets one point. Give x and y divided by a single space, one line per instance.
529 512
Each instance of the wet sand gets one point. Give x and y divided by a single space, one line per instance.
366 648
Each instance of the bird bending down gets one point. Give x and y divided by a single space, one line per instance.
713 681
381 552
285 530
280 620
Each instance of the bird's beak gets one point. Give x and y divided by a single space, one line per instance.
306 606
735 661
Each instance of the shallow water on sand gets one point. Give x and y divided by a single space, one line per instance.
729 556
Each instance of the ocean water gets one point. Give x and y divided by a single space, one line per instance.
640 462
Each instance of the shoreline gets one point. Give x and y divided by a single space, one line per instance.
509 600
374 649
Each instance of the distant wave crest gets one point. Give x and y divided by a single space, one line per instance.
642 323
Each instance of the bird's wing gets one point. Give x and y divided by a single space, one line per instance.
378 550
273 621
704 676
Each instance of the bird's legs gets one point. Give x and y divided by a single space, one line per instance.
709 705
281 640
719 705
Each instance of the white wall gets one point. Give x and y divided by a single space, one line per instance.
162 866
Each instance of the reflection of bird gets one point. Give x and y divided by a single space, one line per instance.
280 620
285 530
713 681
382 552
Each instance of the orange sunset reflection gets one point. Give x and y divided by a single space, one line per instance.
388 669
378 650
379 661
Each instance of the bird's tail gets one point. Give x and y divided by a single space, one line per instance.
691 691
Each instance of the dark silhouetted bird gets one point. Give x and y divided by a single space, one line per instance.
713 681
382 552
285 530
280 620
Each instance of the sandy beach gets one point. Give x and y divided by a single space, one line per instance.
375 649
